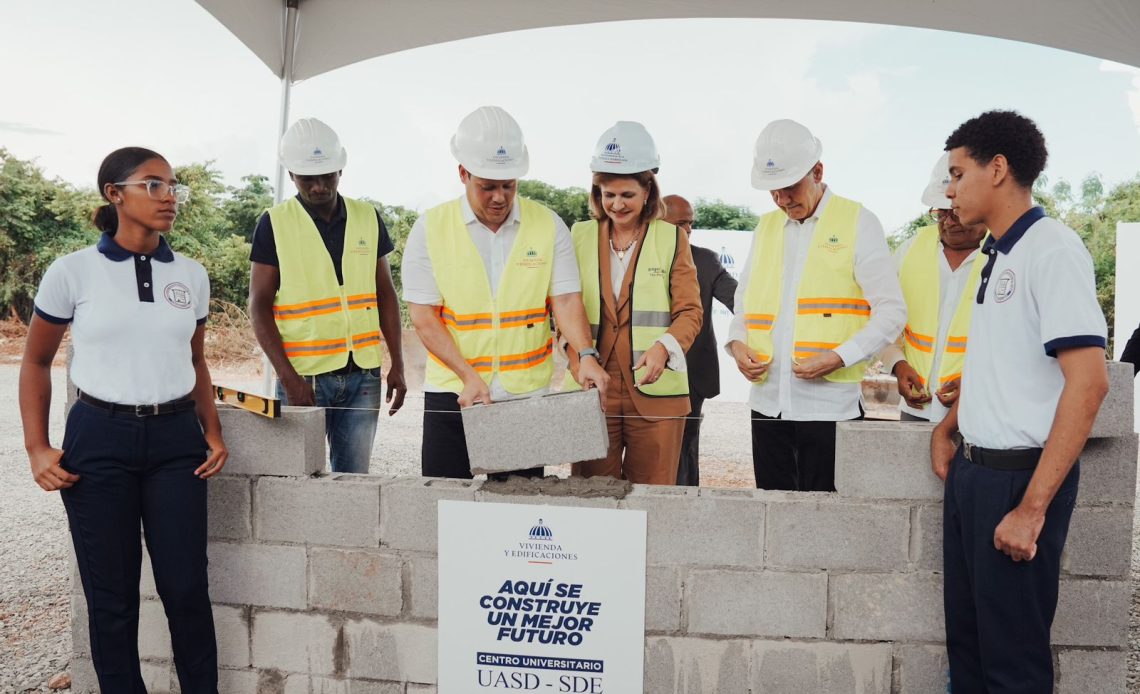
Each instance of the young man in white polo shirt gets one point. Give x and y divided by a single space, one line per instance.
1033 381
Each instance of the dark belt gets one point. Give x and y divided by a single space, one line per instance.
1002 459
180 405
348 368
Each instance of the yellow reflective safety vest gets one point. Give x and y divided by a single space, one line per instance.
507 333
830 307
651 301
918 275
322 322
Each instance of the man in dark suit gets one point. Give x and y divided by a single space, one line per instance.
702 360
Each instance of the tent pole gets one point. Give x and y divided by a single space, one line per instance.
292 10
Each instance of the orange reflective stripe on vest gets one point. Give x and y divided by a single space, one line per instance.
312 348
923 343
306 309
829 305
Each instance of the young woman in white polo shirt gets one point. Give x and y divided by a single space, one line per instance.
144 435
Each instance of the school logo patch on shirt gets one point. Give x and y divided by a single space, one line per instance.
177 295
1005 285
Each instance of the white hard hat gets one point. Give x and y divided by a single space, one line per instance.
785 151
935 194
489 144
626 148
311 148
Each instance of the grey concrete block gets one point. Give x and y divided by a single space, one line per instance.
291 446
157 677
685 665
262 575
1108 471
1092 613
761 603
829 534
921 669
398 652
80 634
423 573
318 511
887 607
154 634
324 685
421 688
409 515
355 581
1115 417
549 430
687 529
884 460
294 642
229 507
1099 542
1081 672
83 678
926 537
237 680
231 630
662 598
779 667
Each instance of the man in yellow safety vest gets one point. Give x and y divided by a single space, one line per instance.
939 269
321 294
482 276
818 296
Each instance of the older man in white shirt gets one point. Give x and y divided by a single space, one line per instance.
817 298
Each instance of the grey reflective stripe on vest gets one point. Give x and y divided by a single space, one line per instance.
758 323
816 350
594 328
817 304
651 319
961 344
318 348
926 343
472 321
331 303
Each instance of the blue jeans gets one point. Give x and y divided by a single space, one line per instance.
350 431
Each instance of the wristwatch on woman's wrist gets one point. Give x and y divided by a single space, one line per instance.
589 352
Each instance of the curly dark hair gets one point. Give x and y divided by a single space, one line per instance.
1007 133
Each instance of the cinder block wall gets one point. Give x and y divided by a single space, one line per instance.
327 584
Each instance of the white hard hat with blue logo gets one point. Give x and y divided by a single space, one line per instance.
311 148
489 144
784 153
934 196
625 148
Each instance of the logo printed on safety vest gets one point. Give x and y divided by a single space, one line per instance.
656 271
1005 286
832 244
531 259
177 295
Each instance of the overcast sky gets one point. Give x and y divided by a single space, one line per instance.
82 78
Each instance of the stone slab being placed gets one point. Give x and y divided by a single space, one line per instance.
531 432
885 460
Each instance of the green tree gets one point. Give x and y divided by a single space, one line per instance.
399 221
246 203
40 220
717 214
571 204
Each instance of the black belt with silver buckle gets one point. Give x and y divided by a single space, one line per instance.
1002 459
170 407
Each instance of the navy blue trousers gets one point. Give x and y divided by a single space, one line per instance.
140 470
999 612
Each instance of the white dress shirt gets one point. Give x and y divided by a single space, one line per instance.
951 282
494 249
782 393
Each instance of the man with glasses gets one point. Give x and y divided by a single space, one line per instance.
817 298
703 363
938 269
321 294
1033 381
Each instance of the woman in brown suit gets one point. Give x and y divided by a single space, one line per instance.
639 286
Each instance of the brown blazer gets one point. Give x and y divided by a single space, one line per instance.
614 330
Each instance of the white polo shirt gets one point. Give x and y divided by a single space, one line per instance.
494 249
132 317
819 399
1037 296
951 283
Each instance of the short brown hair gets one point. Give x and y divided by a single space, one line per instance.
654 208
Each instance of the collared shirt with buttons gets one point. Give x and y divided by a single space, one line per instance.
784 395
494 249
131 322
1036 297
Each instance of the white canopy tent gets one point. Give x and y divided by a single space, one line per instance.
298 39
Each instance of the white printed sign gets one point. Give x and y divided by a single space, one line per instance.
540 598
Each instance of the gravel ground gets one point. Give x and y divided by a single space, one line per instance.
35 637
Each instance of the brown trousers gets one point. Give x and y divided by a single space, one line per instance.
643 450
